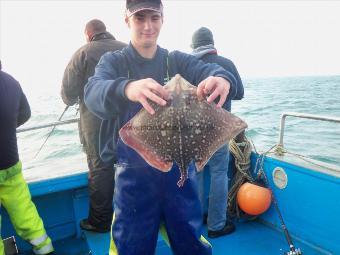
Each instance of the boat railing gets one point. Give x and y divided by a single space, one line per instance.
279 150
51 124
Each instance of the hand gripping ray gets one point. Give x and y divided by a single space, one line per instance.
186 129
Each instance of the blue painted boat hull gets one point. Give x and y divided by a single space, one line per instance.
310 205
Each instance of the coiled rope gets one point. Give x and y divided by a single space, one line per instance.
240 147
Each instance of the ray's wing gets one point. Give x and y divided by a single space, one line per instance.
155 137
150 135
218 127
204 128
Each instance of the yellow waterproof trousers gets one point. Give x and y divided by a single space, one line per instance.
2 252
16 199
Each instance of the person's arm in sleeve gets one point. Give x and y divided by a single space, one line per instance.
195 71
24 110
105 91
240 89
74 79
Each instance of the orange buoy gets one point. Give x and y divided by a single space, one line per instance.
253 199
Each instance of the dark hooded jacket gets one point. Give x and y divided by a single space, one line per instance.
203 48
210 56
14 111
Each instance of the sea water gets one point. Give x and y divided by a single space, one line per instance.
264 101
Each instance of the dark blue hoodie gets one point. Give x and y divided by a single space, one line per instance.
105 91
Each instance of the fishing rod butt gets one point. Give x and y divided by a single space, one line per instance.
293 251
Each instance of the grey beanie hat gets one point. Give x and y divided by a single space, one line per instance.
202 36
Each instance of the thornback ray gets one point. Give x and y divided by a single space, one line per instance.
186 129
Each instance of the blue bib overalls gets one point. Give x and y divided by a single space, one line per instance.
145 198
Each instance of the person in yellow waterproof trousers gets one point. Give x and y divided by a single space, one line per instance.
14 193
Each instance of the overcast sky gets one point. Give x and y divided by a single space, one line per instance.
263 38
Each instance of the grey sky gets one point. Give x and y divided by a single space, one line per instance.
263 38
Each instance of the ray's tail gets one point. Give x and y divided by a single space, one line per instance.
184 175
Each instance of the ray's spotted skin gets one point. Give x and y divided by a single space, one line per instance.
186 129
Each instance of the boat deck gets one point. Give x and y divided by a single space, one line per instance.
307 203
250 238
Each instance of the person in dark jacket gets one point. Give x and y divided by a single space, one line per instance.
218 224
14 193
101 174
123 83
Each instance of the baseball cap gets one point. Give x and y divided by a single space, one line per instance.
134 6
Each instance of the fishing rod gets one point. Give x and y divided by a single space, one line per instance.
293 249
50 133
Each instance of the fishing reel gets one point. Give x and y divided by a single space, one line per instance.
293 251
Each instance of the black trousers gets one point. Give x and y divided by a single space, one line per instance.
101 187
